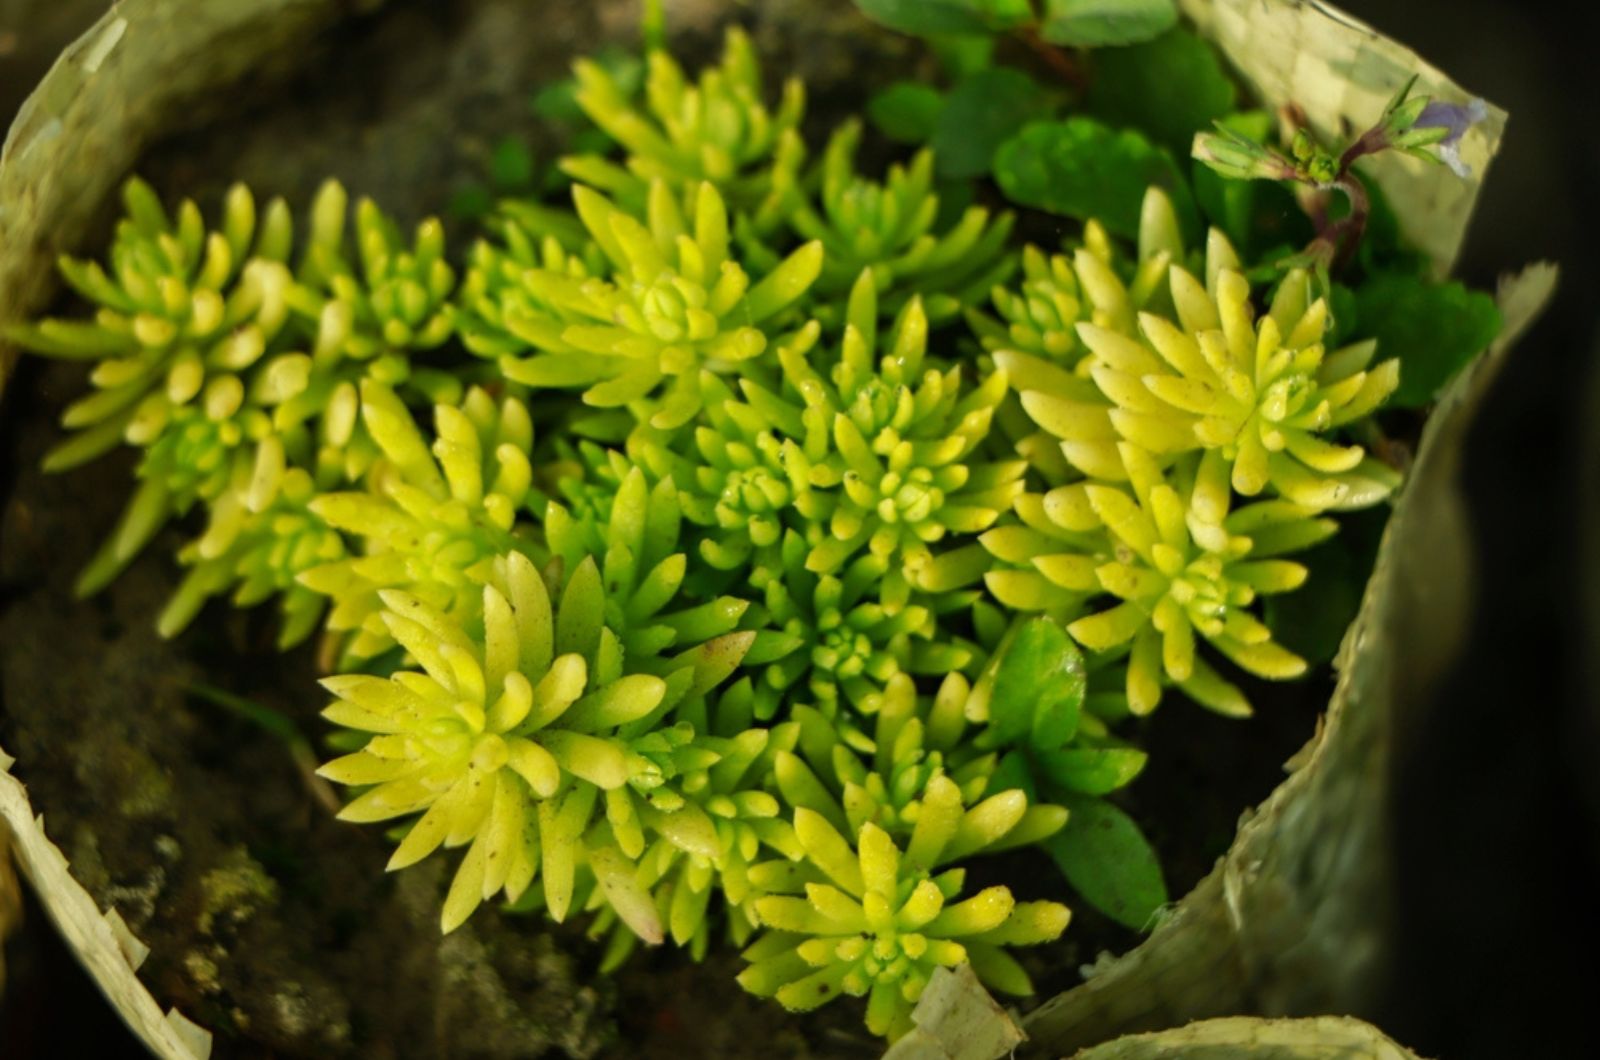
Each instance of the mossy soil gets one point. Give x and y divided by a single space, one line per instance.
271 923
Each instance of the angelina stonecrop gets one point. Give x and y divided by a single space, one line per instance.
718 131
1173 399
874 921
528 733
433 519
226 367
893 228
676 303
747 543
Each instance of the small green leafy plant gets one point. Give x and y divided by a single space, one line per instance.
734 544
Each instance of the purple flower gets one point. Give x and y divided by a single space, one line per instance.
1457 118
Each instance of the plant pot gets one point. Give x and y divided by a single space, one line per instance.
206 835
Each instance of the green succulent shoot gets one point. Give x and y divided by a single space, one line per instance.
915 761
1058 416
1058 292
837 644
176 306
366 320
731 473
735 821
1070 546
718 130
630 542
1262 393
695 815
517 736
398 298
635 535
199 337
1040 317
435 517
833 637
1173 365
261 536
502 293
1182 565
881 450
676 303
180 313
874 919
891 228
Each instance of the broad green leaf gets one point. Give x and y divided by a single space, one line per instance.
1342 315
1038 688
558 101
955 197
1091 770
1108 861
1169 88
925 17
1384 248
1083 168
1013 772
982 113
471 202
962 54
907 112
1098 23
511 166
1434 328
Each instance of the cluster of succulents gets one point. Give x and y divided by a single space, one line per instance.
745 545
239 379
1175 402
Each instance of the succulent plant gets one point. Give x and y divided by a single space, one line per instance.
735 818
397 298
180 315
718 131
1059 291
1262 393
885 449
635 534
675 304
914 759
518 731
872 919
730 469
1174 570
488 740
199 338
1183 564
177 307
891 228
1041 316
259 538
795 604
917 799
365 321
434 519
837 643
501 298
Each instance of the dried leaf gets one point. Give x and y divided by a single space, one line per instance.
1248 1038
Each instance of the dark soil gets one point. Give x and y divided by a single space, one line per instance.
274 925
